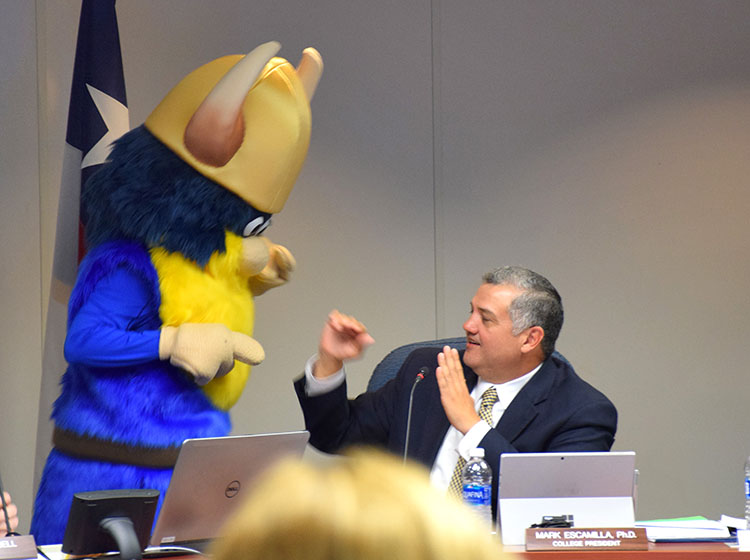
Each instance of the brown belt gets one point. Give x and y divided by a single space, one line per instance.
88 447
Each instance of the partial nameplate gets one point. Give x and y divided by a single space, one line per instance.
17 547
580 538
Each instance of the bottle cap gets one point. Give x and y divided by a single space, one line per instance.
477 452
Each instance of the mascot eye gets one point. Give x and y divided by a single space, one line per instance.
256 226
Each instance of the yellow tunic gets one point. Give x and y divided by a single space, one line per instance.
218 293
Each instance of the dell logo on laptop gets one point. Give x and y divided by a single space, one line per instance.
232 489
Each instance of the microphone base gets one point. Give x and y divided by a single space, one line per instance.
17 547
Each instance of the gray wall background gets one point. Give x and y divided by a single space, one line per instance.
604 144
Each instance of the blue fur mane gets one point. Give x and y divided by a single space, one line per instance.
145 193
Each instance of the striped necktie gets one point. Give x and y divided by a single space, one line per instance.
489 398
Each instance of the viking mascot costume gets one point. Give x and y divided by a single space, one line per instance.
163 303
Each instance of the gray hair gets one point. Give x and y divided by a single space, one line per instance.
539 305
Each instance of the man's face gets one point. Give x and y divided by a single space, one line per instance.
492 350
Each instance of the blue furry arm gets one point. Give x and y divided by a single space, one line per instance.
106 330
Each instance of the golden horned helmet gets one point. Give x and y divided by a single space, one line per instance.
243 122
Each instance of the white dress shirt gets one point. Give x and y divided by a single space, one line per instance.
315 386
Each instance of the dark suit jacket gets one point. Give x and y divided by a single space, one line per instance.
555 411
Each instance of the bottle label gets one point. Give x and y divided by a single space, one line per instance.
477 495
747 488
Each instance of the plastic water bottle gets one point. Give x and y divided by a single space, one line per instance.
747 492
476 480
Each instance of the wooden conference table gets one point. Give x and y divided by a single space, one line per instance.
656 551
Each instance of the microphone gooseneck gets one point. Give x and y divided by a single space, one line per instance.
420 376
122 530
9 532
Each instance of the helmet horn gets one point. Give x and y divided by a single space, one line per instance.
216 129
309 70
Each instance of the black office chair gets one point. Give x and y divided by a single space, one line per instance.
389 366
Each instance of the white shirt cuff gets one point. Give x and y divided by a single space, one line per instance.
472 438
315 386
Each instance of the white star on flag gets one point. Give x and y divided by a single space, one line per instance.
115 117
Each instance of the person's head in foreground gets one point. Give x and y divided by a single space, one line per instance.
366 506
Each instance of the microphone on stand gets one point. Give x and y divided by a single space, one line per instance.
8 530
420 376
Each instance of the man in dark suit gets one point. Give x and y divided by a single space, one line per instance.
535 401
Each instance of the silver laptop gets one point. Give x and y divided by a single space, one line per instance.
597 489
211 478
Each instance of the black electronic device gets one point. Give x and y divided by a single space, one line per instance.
554 521
110 521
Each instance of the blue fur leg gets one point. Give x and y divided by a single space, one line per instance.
64 476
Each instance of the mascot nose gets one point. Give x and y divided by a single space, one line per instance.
255 255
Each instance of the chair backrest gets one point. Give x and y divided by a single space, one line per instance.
389 366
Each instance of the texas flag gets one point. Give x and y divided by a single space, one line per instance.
98 112
97 115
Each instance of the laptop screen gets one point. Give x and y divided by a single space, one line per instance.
596 489
211 478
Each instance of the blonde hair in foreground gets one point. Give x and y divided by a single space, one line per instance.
367 506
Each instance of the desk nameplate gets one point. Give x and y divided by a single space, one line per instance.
17 547
582 538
